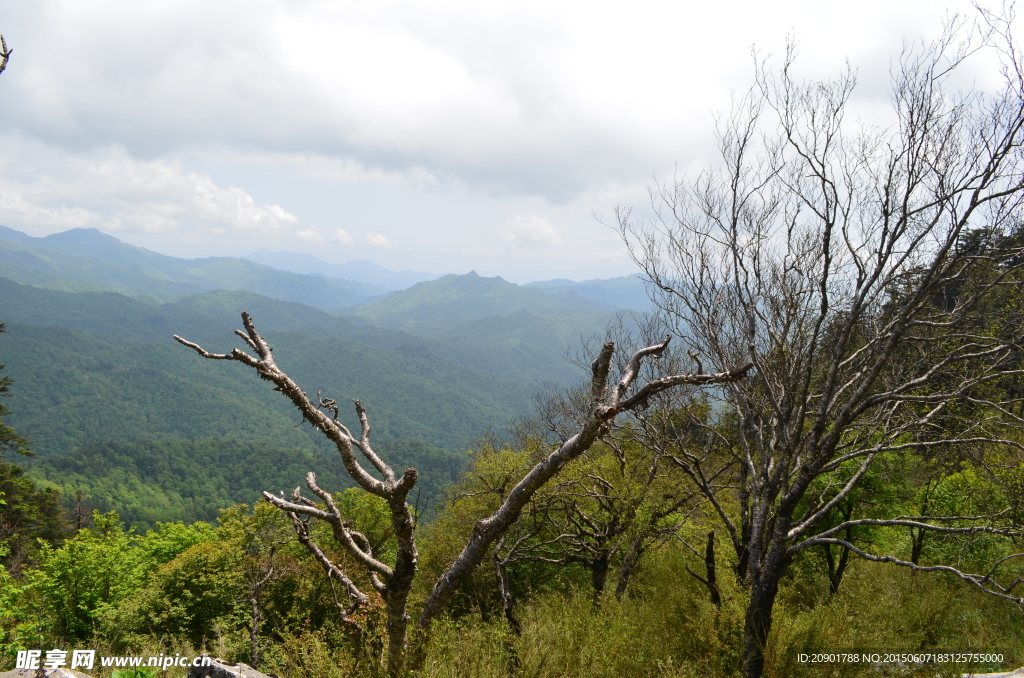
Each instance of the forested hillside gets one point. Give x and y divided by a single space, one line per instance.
100 382
626 292
74 386
189 480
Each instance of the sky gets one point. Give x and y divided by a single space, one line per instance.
442 136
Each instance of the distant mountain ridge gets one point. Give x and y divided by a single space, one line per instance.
361 270
101 387
626 292
493 326
87 258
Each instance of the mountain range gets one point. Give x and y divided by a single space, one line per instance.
438 363
85 259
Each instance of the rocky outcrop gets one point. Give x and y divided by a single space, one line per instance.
222 669
216 669
49 673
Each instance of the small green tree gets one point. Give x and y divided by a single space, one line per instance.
91 573
260 535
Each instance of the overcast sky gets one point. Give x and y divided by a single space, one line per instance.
438 136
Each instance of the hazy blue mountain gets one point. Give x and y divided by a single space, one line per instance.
361 270
494 326
432 308
626 292
86 259
523 345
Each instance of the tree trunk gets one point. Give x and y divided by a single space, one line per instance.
506 596
711 568
836 570
257 615
765 573
711 572
599 574
398 627
514 663
629 562
396 594
917 537
759 623
254 632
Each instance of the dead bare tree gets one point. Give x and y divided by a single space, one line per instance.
607 399
824 254
604 515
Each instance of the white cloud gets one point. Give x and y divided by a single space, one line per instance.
310 235
48 189
378 240
529 96
342 236
531 232
172 120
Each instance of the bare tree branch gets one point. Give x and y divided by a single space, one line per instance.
598 419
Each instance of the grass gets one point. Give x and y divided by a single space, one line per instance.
666 627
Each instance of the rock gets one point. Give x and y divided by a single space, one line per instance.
49 673
1019 673
222 669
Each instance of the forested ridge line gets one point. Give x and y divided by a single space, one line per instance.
176 480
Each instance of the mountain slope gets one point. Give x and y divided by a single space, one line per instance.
121 318
72 387
521 347
189 480
495 327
